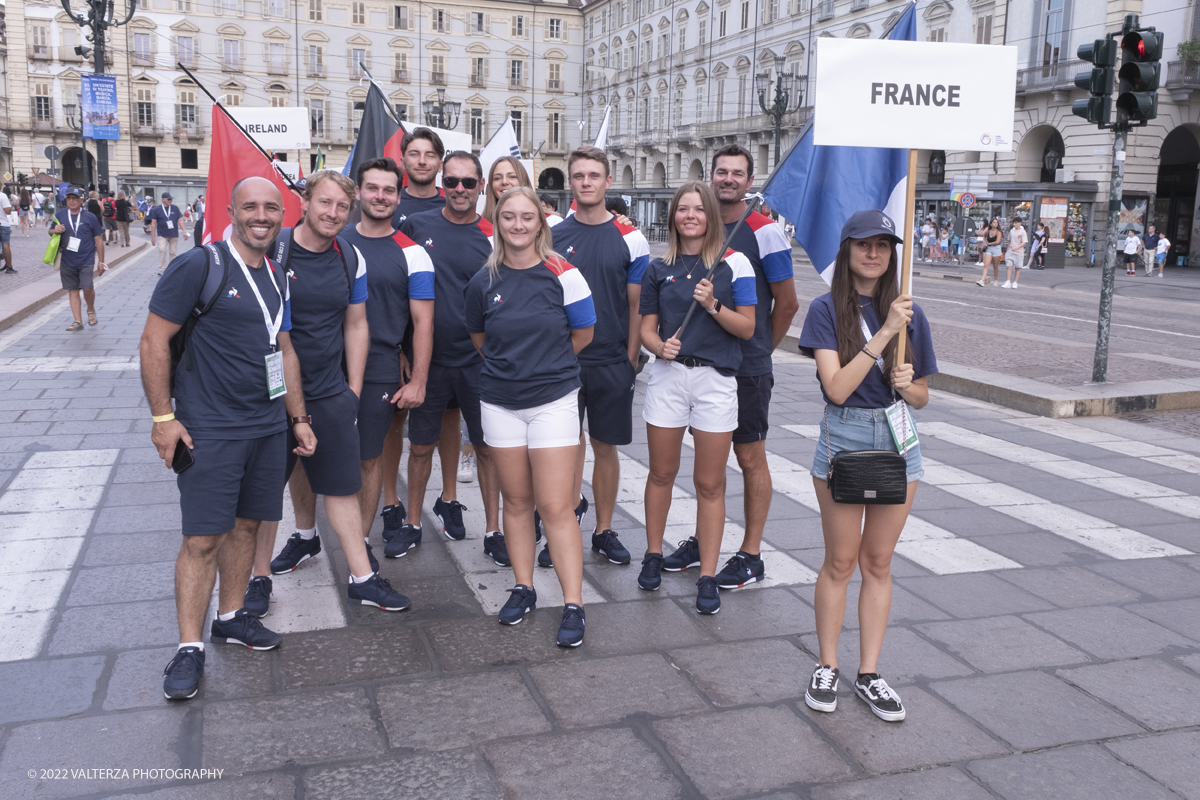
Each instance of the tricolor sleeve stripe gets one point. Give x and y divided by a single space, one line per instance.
774 252
420 273
639 255
744 293
359 293
577 299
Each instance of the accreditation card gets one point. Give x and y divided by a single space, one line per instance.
898 416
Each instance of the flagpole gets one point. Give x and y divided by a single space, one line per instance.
910 212
750 208
239 125
387 106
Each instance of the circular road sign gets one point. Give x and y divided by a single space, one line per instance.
51 152
967 200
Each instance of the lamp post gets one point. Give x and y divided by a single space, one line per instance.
101 16
443 114
786 91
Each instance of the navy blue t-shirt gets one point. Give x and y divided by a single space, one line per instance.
224 395
160 214
397 271
457 252
667 291
610 256
762 242
410 205
820 333
320 297
527 316
88 227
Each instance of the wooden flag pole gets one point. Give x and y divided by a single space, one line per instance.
910 243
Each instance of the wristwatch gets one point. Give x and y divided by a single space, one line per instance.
716 309
307 419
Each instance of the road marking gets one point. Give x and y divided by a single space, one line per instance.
1112 442
1106 480
925 544
925 298
41 534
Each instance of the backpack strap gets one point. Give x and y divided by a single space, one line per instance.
283 249
210 289
283 256
342 246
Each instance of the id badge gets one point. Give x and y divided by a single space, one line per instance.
73 244
895 417
275 383
170 224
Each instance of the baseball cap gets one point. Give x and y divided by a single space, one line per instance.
865 224
73 190
167 196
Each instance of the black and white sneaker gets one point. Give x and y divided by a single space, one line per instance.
393 518
495 548
544 559
376 591
650 577
257 600
607 544
408 538
741 570
570 632
873 690
821 694
685 557
295 552
244 629
521 600
449 513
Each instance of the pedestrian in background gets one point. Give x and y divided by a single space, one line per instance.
1014 259
927 238
93 205
122 208
1149 249
550 208
1037 249
81 247
25 212
1160 255
1130 247
992 239
164 222
6 233
852 333
692 383
109 206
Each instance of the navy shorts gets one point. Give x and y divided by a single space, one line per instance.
75 278
232 478
754 405
607 399
333 470
375 412
444 385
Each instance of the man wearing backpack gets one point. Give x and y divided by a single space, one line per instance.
164 222
328 280
228 432
109 208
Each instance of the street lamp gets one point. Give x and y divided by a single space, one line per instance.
443 114
786 91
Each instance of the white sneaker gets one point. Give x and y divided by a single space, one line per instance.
981 282
466 468
1006 285
1160 274
1014 285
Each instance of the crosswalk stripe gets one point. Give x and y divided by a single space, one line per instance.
1112 442
1152 494
925 544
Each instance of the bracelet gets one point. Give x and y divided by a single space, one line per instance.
868 352
164 417
297 420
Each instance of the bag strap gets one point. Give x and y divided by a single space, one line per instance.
341 245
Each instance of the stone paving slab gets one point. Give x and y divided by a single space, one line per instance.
1109 633
326 658
763 671
1077 773
267 787
229 672
1002 644
934 784
58 688
1170 759
455 775
1166 697
906 657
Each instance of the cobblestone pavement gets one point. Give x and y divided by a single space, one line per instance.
1045 625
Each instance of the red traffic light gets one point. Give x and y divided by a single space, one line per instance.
1141 48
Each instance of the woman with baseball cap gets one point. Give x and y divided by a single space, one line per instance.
852 332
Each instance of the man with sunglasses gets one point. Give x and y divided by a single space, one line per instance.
458 242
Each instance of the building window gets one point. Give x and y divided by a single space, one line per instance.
645 113
277 8
721 24
554 81
185 50
658 113
358 13
314 11
189 158
316 117
400 17
555 28
554 129
39 41
664 45
702 39
356 114
720 110
699 104
277 55
141 49
741 98
358 57
316 60
682 38
745 14
478 71
438 18
231 7
279 101
183 6
1052 43
400 67
147 158
401 111
41 102
518 120
477 25
518 26
516 74
983 29
232 55
233 99
145 107
437 73
187 108
476 126
937 35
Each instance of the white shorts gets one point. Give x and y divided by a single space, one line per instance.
554 424
700 397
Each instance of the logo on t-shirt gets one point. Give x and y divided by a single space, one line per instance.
669 279
233 293
429 242
291 273
570 250
497 299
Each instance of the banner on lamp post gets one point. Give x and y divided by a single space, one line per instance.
915 95
98 96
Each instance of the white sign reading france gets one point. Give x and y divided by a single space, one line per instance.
923 95
275 128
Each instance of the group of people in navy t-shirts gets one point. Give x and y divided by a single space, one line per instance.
322 344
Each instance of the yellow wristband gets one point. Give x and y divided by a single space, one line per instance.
164 417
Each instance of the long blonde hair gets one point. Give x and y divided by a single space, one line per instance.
489 208
714 236
542 242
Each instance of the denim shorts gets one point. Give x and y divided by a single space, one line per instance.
993 250
860 429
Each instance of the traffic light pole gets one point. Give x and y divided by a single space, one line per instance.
1108 276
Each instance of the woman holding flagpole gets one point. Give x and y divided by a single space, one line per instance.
853 333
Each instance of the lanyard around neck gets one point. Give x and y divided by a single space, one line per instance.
74 223
273 325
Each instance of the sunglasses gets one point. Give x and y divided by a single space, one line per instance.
451 182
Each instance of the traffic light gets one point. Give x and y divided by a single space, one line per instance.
1099 82
1137 95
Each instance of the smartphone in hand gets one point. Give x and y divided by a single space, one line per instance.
183 457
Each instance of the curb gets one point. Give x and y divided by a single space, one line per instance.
58 292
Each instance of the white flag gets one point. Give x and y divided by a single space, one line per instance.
503 143
602 136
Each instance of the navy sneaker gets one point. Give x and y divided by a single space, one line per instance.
544 557
450 515
371 558
246 630
537 526
408 538
821 694
376 591
873 690
581 510
708 595
521 600
181 678
651 576
258 596
741 570
393 518
606 543
686 557
570 632
295 551
495 548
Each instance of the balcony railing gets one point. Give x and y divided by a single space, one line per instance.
824 10
437 79
278 68
42 124
858 5
685 133
757 123
477 81
316 70
152 130
399 76
516 84
701 52
38 52
553 85
1048 77
188 132
67 55
1183 75
232 64
141 59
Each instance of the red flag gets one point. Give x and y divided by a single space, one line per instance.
232 158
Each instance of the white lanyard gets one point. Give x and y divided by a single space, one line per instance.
867 334
273 326
75 225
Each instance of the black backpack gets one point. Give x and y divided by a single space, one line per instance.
210 290
283 256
